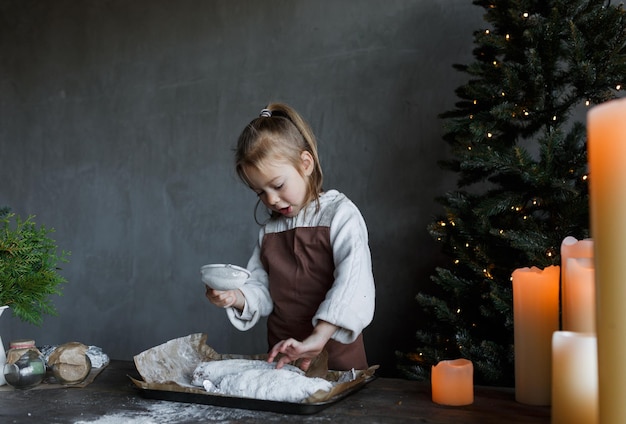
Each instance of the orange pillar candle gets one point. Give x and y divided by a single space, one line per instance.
574 378
606 147
579 300
577 285
535 318
453 382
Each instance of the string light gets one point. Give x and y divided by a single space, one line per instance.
417 357
618 87
525 15
507 37
587 103
487 31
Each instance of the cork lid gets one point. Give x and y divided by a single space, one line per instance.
22 344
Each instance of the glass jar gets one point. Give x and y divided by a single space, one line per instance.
25 366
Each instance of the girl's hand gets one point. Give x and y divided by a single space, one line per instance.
307 350
225 298
293 350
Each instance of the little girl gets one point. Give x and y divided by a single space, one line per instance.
311 270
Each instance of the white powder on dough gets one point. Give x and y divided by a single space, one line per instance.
257 379
280 385
216 370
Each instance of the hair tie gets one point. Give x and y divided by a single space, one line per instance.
266 113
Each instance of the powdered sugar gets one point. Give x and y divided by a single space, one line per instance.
258 380
216 370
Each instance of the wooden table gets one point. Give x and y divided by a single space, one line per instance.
112 399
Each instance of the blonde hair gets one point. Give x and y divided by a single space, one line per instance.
279 133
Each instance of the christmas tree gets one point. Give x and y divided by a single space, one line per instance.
520 156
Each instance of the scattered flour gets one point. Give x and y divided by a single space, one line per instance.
119 419
164 412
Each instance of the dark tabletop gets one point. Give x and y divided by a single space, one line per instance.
112 398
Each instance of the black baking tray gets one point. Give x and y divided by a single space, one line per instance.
301 408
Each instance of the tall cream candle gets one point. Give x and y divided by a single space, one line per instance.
574 378
571 305
535 318
579 300
606 146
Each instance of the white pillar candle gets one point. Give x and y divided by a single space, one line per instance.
574 378
571 305
453 382
579 300
535 318
606 145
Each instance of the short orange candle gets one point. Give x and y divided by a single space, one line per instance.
453 382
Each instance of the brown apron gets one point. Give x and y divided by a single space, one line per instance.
299 263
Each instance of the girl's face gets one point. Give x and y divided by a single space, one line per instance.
280 186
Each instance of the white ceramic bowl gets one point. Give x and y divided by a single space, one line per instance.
224 276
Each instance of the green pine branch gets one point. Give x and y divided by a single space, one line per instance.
29 272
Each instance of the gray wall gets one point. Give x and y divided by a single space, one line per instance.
117 124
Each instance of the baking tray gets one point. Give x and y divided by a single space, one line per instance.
300 408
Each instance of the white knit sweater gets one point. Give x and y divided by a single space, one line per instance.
349 304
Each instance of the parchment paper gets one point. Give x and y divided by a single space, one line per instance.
170 366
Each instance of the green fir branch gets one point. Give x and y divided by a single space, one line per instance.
29 272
